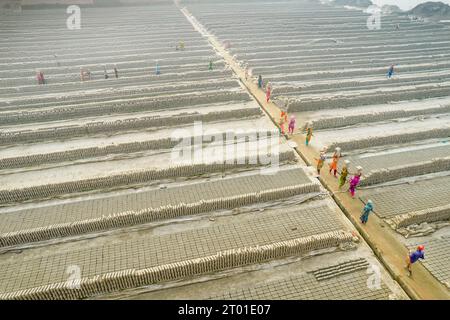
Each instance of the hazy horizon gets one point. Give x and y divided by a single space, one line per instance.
405 4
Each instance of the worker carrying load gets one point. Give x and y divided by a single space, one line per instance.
292 125
309 133
354 181
282 121
321 159
344 174
334 161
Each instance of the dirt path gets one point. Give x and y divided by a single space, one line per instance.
379 236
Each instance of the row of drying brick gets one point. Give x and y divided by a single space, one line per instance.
71 74
437 258
298 65
126 72
136 123
351 120
400 199
133 105
134 178
338 102
401 155
130 124
221 261
145 98
27 91
391 139
340 269
404 171
193 191
170 211
439 213
205 52
92 152
274 225
349 286
190 198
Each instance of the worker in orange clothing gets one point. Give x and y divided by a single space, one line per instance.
334 161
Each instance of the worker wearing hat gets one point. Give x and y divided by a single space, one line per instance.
354 181
334 161
414 256
344 174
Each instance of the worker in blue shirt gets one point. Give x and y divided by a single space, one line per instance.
390 71
366 211
415 256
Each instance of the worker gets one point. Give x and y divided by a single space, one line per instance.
334 161
210 65
40 77
260 82
58 64
292 125
281 123
105 73
390 71
309 133
158 70
366 211
321 159
355 181
246 71
116 73
85 74
413 257
268 91
344 174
